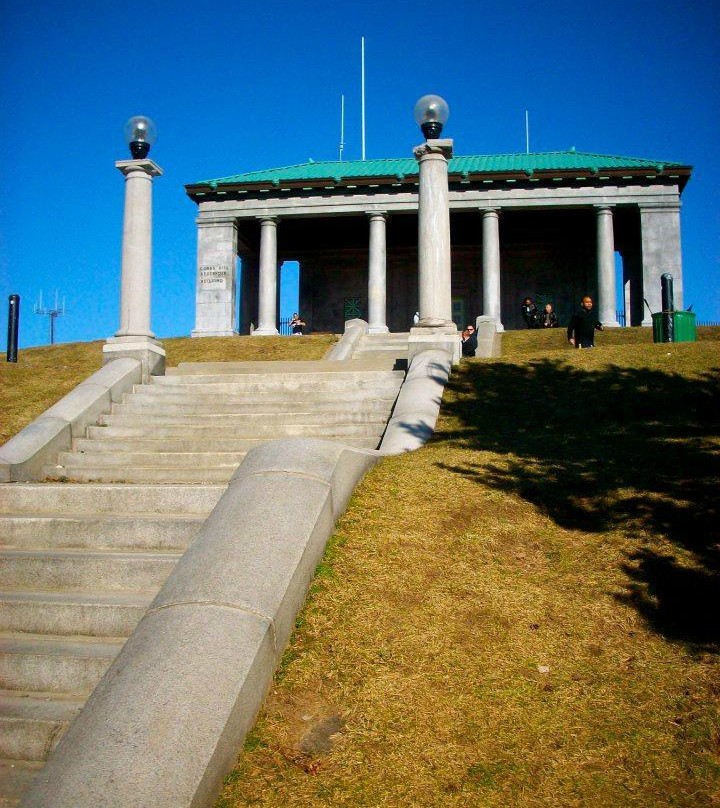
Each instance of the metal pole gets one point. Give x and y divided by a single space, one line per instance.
342 126
13 324
668 307
362 103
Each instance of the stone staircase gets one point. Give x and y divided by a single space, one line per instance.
195 424
80 563
389 350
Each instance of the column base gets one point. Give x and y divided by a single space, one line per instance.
147 350
438 338
488 318
613 324
265 331
196 333
378 329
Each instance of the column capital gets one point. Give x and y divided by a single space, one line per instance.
438 148
268 219
603 207
376 214
489 211
224 222
127 167
660 207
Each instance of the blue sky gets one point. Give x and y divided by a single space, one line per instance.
239 86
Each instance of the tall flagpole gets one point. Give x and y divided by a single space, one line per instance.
527 133
342 126
362 102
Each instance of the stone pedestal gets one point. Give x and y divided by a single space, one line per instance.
607 309
491 265
134 337
435 338
267 305
377 274
149 351
434 282
215 282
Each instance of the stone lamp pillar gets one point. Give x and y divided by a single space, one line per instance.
436 330
134 337
434 291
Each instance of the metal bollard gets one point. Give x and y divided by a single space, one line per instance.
13 324
668 307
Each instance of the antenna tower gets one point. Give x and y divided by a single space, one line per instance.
52 313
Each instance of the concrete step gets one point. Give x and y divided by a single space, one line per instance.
360 413
139 406
141 476
15 779
291 400
31 724
270 367
207 439
376 347
279 384
98 457
34 662
33 498
89 613
110 531
85 569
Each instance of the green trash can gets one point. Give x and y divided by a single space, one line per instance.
684 324
658 327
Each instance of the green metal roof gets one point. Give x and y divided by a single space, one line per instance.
403 167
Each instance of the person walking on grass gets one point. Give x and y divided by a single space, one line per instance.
581 331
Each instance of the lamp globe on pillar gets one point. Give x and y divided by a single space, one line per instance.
431 114
140 134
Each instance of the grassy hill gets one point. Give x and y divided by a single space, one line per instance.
44 375
523 613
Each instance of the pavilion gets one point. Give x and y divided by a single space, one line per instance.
555 219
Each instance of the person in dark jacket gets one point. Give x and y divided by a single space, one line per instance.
529 313
469 341
581 331
548 319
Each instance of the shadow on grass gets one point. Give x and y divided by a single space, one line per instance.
619 448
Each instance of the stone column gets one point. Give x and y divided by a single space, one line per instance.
434 283
491 265
436 330
606 303
267 298
134 337
661 252
377 274
216 278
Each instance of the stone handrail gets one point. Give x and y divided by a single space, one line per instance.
342 350
163 726
23 457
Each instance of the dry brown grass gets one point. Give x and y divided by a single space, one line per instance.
44 375
524 612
